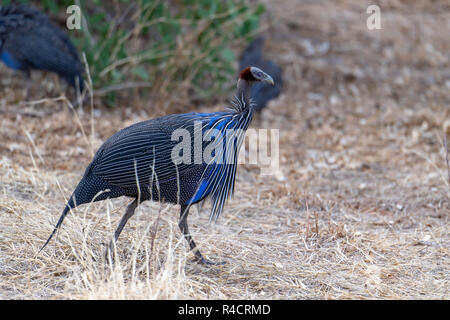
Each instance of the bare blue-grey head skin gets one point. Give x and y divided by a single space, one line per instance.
137 162
260 75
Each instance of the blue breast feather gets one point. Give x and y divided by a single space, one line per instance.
218 121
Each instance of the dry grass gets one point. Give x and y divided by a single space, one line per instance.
359 209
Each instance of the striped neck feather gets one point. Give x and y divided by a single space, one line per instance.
220 172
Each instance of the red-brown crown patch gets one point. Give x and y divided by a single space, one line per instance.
247 75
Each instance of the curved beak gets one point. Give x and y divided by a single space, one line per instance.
269 80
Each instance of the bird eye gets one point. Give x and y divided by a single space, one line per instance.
258 75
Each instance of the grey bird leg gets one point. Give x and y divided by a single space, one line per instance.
185 231
27 85
129 212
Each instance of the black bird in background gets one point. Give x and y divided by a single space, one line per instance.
138 161
29 40
261 93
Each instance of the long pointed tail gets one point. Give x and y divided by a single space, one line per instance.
90 188
69 206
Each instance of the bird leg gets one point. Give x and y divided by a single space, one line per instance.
129 212
27 85
185 230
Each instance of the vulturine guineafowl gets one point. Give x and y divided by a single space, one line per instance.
143 161
29 40
261 93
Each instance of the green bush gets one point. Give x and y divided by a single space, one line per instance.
182 47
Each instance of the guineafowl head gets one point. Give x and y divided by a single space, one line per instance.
247 78
254 74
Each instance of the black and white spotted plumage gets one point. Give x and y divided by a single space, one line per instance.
139 162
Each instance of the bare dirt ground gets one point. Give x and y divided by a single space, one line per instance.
358 210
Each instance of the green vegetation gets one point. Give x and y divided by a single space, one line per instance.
160 45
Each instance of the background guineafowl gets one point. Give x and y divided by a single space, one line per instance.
261 93
138 161
28 40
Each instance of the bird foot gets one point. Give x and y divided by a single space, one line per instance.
204 261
